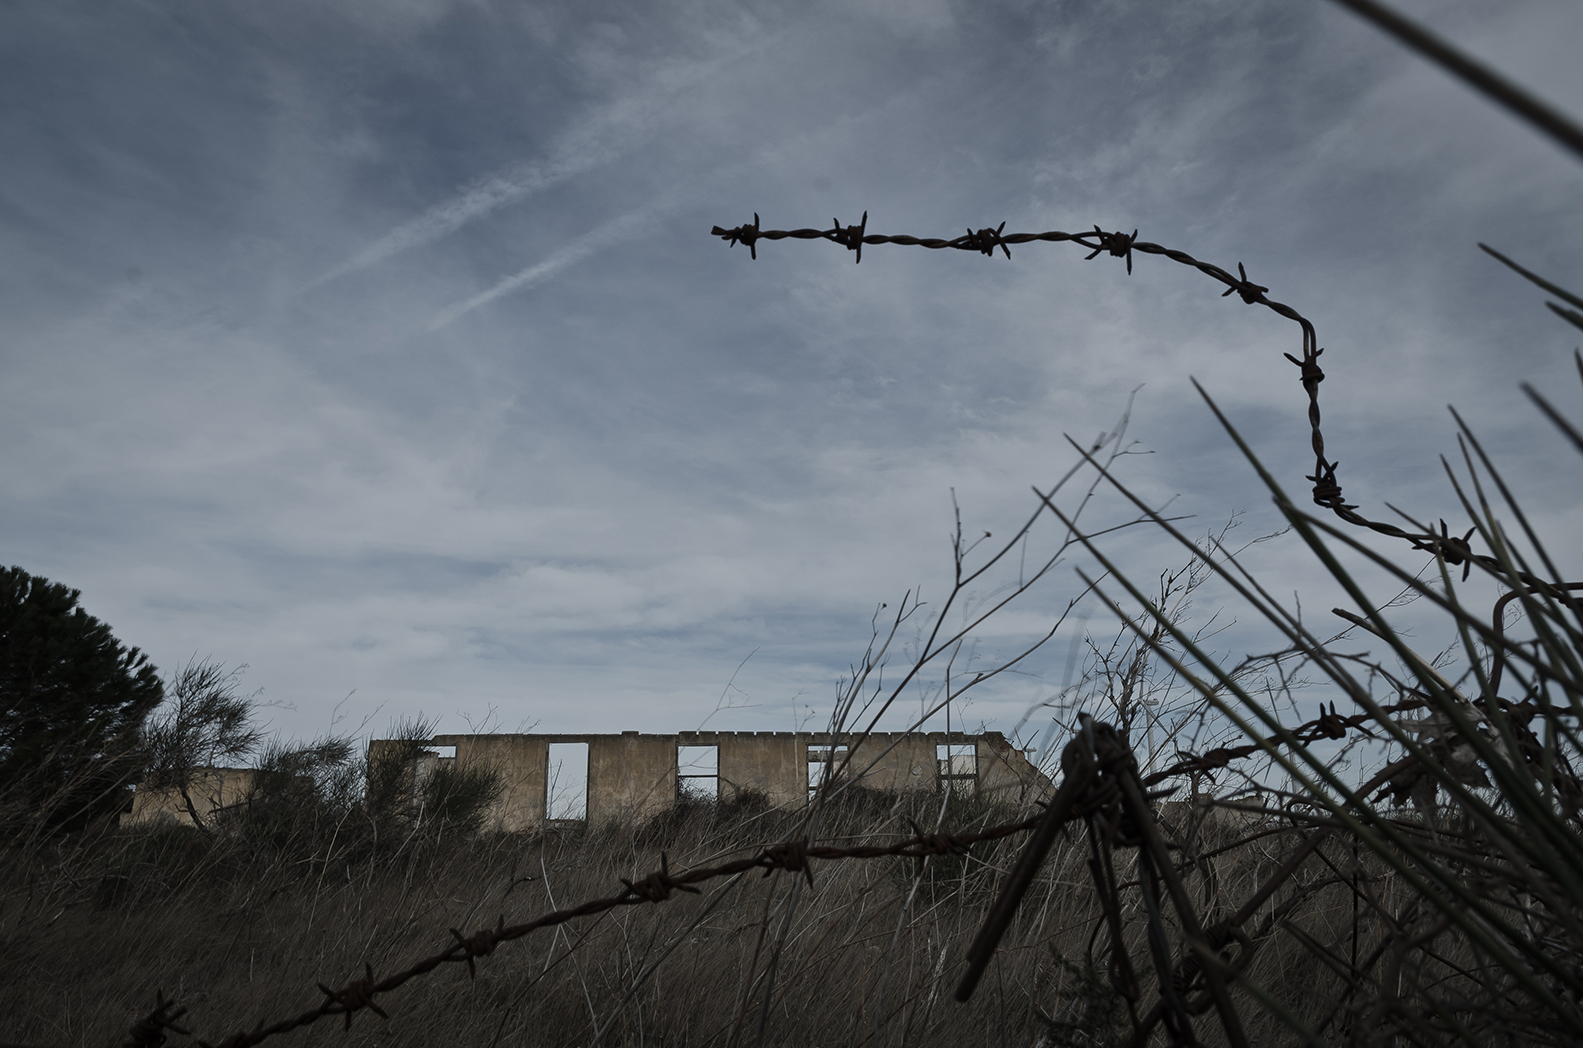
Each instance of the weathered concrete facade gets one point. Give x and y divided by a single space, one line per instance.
761 762
523 764
633 776
210 790
630 776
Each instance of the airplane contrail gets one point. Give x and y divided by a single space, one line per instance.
636 223
473 203
617 129
633 223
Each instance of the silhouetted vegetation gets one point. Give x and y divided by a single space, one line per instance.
72 699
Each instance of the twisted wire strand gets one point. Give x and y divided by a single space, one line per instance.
1453 549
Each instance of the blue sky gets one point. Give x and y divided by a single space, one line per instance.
382 346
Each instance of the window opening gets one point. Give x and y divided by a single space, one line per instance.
818 758
958 766
698 772
566 789
427 762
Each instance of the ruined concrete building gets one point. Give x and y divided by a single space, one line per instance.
631 777
210 790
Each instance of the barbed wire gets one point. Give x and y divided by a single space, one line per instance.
1455 550
1105 788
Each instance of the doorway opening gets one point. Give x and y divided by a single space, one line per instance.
566 787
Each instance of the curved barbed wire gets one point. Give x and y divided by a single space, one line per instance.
1455 550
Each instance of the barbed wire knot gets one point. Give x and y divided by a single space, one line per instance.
1118 244
357 995
1310 374
851 236
1452 549
744 233
149 1031
1250 292
986 240
1327 490
1329 725
657 886
791 856
480 944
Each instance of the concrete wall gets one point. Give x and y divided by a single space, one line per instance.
774 764
901 762
211 788
1006 774
632 777
523 762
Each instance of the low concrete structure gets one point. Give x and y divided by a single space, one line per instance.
633 776
210 789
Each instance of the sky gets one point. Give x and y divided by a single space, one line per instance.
382 348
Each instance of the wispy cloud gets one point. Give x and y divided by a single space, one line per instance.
613 131
474 203
634 223
646 218
306 487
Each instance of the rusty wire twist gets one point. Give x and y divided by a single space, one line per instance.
357 995
480 944
657 886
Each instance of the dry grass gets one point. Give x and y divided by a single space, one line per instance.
239 936
872 953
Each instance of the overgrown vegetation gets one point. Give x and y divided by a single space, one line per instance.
239 932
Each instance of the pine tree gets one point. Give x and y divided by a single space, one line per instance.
72 698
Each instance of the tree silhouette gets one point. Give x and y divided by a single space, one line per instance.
72 698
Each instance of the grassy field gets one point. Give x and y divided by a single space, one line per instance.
240 932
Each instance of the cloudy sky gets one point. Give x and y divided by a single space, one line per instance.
382 347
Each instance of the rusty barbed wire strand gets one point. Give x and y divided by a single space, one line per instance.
1327 492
